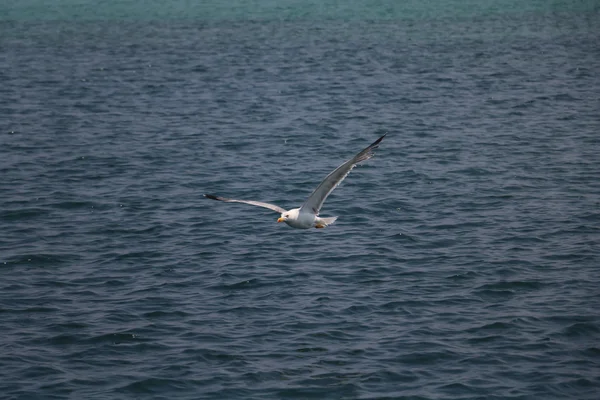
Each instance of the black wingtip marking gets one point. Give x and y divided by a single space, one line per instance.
375 143
210 196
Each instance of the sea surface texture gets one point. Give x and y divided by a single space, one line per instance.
465 263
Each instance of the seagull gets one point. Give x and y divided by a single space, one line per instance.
307 216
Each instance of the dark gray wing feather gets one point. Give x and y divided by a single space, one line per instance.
315 201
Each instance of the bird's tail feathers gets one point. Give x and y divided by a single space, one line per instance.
329 220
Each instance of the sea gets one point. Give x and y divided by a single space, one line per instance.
465 262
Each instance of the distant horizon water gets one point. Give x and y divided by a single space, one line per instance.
216 10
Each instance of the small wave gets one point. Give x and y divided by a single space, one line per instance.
582 329
23 214
512 286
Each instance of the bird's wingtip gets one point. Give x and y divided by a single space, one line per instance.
375 143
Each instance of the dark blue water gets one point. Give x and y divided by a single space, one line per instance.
465 263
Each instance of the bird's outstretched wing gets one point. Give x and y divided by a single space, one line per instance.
315 201
254 203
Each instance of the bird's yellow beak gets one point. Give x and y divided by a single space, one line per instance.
280 219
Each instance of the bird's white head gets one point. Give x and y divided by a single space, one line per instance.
289 215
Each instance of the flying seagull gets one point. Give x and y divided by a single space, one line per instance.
307 216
